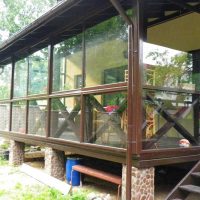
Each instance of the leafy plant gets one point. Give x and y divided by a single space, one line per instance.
3 162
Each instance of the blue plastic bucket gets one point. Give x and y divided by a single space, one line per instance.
75 175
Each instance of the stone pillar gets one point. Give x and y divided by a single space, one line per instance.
142 183
55 163
16 155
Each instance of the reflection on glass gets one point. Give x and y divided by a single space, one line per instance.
65 118
37 117
5 114
67 64
20 78
106 52
38 72
168 117
19 116
5 81
106 119
165 67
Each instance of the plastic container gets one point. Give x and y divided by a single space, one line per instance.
71 161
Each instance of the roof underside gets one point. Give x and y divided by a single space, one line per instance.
69 18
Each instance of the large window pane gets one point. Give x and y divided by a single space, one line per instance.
38 72
106 52
171 55
67 64
167 67
168 118
20 78
19 116
37 117
65 118
5 81
171 68
4 116
106 119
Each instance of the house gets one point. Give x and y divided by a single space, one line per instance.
77 79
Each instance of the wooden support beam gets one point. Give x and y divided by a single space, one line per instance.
177 125
196 81
121 11
110 120
69 121
168 125
184 5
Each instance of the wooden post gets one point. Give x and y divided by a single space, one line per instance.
196 81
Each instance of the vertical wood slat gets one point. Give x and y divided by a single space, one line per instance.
196 110
11 91
27 89
130 116
137 79
134 97
49 87
27 111
82 121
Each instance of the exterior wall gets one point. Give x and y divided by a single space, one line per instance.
142 183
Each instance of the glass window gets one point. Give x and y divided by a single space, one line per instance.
171 55
19 116
5 81
167 67
38 72
67 64
20 78
5 116
106 119
106 52
65 118
37 117
168 118
171 66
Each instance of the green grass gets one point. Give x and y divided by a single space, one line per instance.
2 192
36 192
44 193
3 162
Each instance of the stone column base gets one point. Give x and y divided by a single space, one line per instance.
16 155
142 184
55 163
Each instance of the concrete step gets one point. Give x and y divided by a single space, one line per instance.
190 188
196 174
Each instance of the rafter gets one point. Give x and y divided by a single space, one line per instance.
121 11
184 5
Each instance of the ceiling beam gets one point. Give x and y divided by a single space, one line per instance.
121 11
184 5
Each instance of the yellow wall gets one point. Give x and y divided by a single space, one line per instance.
182 33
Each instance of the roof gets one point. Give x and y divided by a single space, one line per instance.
72 16
61 22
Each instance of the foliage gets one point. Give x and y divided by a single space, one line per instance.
3 162
5 145
16 14
46 193
171 70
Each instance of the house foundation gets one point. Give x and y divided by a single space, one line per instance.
142 183
55 163
16 155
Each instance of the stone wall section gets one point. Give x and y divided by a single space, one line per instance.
142 183
55 163
16 155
